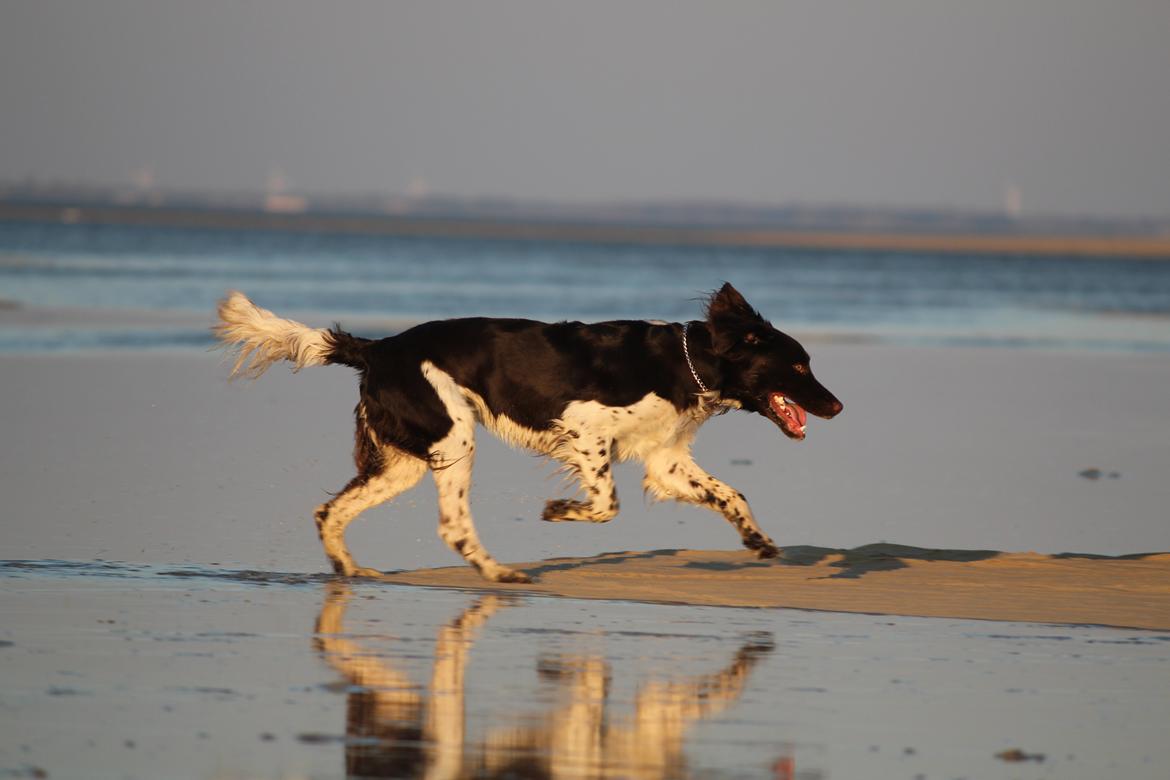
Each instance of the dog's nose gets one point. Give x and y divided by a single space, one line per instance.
835 408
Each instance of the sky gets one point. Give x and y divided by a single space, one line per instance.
1045 106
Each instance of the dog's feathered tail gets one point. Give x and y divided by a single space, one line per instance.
259 338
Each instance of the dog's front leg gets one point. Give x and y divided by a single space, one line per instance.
674 474
592 462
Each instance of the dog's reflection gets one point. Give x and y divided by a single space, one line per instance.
396 728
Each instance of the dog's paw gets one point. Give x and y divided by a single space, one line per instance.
511 575
768 550
559 510
762 545
562 510
365 571
556 511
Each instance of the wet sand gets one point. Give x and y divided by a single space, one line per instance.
155 457
167 610
137 671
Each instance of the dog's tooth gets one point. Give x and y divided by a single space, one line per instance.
802 428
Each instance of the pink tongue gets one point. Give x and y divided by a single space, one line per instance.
801 417
792 413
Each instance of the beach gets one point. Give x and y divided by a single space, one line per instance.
160 565
962 214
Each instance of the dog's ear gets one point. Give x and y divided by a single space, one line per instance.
732 320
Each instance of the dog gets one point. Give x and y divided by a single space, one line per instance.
582 394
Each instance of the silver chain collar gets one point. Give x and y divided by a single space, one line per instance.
690 365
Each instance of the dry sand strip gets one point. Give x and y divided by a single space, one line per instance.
1136 245
1131 591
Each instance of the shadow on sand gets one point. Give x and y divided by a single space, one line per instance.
876 557
853 563
605 559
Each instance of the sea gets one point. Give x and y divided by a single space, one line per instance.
78 287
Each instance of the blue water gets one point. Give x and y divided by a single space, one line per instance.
1078 303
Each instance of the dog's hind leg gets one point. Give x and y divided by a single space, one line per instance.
673 473
451 459
451 465
396 472
591 462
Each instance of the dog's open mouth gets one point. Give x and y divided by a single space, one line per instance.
788 414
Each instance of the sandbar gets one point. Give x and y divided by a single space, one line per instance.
1130 591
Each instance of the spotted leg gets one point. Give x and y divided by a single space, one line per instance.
591 462
674 474
452 460
399 472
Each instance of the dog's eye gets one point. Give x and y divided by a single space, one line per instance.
800 368
752 338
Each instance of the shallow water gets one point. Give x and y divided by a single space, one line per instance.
910 298
129 670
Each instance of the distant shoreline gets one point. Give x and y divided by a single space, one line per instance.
1049 245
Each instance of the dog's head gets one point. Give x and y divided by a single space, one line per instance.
765 370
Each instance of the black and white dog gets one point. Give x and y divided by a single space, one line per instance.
584 394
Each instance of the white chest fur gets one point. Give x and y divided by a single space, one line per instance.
651 424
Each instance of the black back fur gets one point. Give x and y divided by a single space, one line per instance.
530 371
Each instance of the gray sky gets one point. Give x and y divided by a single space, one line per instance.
932 103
